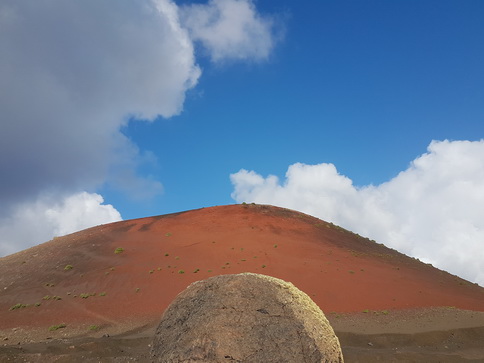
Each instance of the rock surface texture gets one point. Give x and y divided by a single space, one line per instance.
244 318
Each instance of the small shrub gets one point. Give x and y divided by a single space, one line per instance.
57 327
196 270
94 327
366 311
275 246
152 271
68 267
137 289
181 272
102 293
168 234
18 306
119 250
351 271
263 266
167 254
87 295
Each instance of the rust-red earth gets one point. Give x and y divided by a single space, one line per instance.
79 279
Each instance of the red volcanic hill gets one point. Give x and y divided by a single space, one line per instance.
128 272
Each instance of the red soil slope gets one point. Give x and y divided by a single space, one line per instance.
341 271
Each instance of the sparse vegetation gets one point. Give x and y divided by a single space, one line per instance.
119 250
263 266
94 327
102 293
168 234
57 327
68 267
167 254
18 306
196 270
181 271
87 295
48 284
152 271
48 297
351 271
137 289
366 311
275 246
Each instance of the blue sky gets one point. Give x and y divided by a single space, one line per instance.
363 85
368 114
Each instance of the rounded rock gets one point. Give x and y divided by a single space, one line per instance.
244 318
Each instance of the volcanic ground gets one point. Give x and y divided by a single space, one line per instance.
97 295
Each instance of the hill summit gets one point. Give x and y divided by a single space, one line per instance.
125 274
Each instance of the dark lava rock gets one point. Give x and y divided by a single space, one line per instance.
244 318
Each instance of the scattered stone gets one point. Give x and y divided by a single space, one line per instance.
244 318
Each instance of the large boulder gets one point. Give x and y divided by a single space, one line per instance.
244 318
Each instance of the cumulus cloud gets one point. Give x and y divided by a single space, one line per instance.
49 216
72 73
230 29
433 210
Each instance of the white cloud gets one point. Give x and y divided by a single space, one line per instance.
72 73
230 29
433 210
39 221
